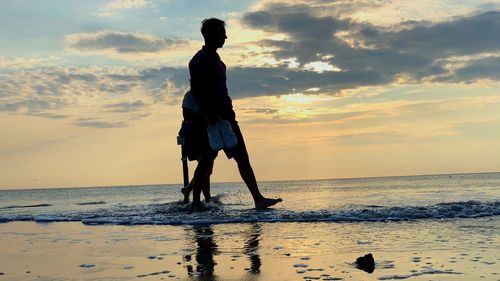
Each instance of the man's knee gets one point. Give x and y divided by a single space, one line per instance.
206 163
241 158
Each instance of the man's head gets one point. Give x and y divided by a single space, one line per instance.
214 32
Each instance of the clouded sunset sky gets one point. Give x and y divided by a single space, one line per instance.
90 91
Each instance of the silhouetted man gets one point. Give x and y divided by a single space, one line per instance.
209 89
195 142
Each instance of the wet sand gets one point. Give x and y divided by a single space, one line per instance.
466 249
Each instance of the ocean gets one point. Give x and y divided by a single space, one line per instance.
405 198
434 227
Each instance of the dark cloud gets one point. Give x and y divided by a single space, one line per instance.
369 54
8 86
460 36
171 83
247 82
98 124
372 138
296 20
67 77
10 106
49 92
138 117
126 106
48 115
366 55
116 88
124 77
87 77
121 42
166 83
32 104
269 111
155 77
488 68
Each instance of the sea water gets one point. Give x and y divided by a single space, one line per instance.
383 199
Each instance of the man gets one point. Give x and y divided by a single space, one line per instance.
195 142
209 89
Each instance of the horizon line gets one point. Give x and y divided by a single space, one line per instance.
288 180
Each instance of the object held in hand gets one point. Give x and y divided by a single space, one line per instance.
221 135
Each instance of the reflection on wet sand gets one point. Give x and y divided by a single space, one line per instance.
205 249
252 247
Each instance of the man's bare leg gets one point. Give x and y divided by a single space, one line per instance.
205 188
248 177
186 191
206 184
199 178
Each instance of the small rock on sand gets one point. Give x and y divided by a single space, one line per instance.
366 263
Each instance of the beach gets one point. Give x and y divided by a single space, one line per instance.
417 228
448 250
333 140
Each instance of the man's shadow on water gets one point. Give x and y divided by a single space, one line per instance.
205 249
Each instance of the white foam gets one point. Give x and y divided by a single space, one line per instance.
176 213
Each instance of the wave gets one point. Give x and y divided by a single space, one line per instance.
91 203
176 213
25 206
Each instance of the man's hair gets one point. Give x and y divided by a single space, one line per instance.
210 26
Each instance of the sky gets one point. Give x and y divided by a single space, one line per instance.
90 91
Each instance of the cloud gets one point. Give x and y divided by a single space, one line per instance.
116 5
120 42
126 106
393 11
125 4
369 54
116 96
124 45
371 138
32 104
119 96
487 69
48 115
331 53
464 35
253 81
136 117
335 8
92 123
168 83
267 111
10 63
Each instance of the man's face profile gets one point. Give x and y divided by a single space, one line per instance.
220 37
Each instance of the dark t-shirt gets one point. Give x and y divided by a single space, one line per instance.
208 84
209 89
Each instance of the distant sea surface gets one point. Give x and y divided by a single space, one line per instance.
433 197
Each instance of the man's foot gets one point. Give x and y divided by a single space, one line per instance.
185 191
197 207
266 203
